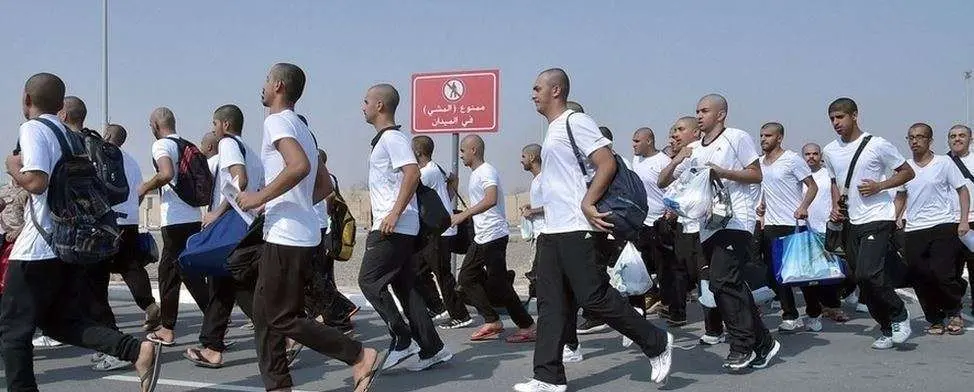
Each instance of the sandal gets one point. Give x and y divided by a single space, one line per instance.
152 337
149 380
955 326
197 358
373 373
522 337
936 329
486 333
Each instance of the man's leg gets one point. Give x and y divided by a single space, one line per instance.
918 251
553 311
424 263
129 264
786 294
380 266
448 284
727 253
944 252
472 279
217 313
496 264
171 277
884 305
420 324
95 278
278 313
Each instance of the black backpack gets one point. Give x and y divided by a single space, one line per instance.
625 198
110 165
84 224
194 182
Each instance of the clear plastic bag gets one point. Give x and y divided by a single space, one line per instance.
629 275
527 229
801 259
693 194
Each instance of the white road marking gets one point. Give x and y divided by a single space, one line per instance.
193 384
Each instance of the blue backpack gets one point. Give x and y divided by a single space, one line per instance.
207 251
624 199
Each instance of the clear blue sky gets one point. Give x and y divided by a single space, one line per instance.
632 63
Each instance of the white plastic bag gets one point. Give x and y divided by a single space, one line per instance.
692 195
527 229
629 275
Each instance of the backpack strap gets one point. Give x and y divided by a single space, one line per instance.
578 154
960 165
852 165
66 151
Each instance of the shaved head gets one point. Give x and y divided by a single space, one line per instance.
774 127
533 150
961 127
74 110
644 131
719 102
293 79
924 128
163 118
45 92
811 147
115 134
230 114
557 77
423 146
575 106
474 141
472 150
208 146
388 95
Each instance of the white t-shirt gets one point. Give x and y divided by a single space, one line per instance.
878 159
212 163
648 169
130 207
821 207
563 183
782 188
488 225
39 150
931 195
733 149
537 201
229 155
391 153
172 209
968 161
431 176
289 218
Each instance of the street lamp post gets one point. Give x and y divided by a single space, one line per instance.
104 64
967 96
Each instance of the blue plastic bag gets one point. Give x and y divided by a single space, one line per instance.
800 259
207 251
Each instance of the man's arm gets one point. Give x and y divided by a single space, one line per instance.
605 170
489 201
963 225
901 175
236 171
323 185
163 176
810 194
899 206
296 168
749 175
666 176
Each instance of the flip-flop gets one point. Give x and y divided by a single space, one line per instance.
491 334
152 376
152 337
292 353
197 358
373 373
522 337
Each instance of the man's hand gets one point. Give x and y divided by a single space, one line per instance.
900 223
669 215
457 219
760 210
683 154
209 217
718 172
248 200
869 187
835 215
526 211
801 213
963 228
14 164
388 224
596 218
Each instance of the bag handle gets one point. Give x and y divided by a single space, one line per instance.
575 150
852 164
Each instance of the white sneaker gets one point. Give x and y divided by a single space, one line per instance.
396 357
572 356
538 386
442 316
711 340
661 363
883 343
111 363
862 308
98 357
45 341
626 342
443 356
852 298
901 331
814 324
790 325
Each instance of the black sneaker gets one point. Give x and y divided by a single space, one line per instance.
676 322
456 324
664 314
591 326
764 355
737 361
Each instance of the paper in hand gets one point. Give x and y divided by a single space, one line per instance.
230 191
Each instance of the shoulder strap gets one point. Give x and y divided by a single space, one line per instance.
378 135
578 154
960 165
446 177
66 149
855 159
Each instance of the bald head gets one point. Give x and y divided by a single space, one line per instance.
73 112
291 77
44 93
232 115
387 95
533 150
811 147
115 134
643 142
472 149
715 100
644 132
209 146
163 119
423 146
557 77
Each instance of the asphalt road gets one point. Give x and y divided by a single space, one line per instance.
837 359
